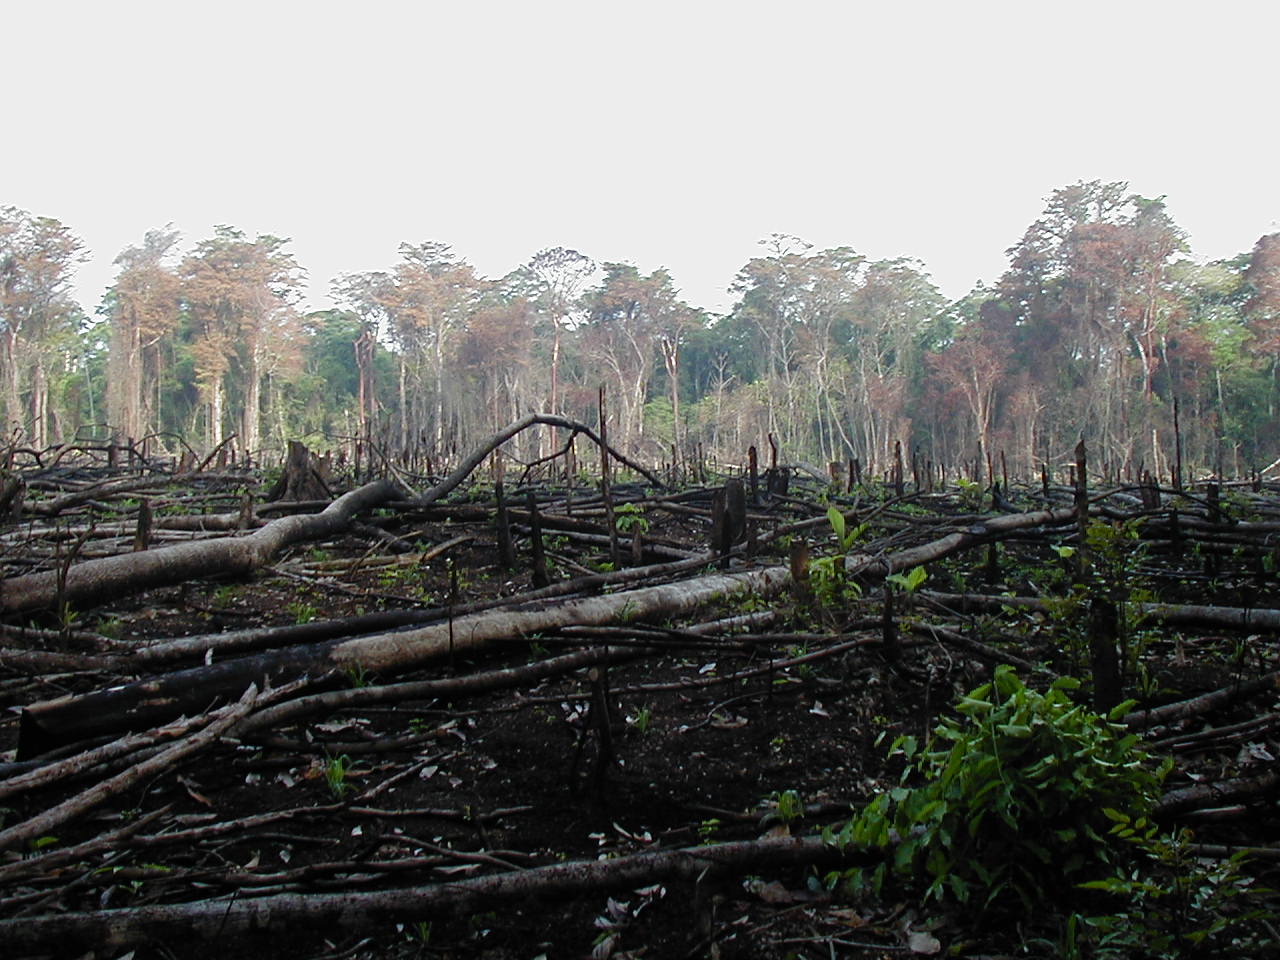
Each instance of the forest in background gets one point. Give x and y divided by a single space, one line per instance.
1099 325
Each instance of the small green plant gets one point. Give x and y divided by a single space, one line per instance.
786 806
301 612
68 616
830 586
1011 801
357 676
223 595
911 581
335 775
827 574
971 493
845 538
708 829
419 932
641 719
39 843
111 627
628 517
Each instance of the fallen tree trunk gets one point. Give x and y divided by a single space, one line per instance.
351 911
94 581
135 706
1175 614
878 567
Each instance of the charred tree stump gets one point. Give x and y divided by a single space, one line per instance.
1104 657
991 569
777 481
615 555
801 588
142 535
728 518
1212 565
891 646
540 577
302 477
502 523
12 489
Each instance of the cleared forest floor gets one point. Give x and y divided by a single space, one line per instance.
546 793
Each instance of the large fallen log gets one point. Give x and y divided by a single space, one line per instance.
138 706
354 910
1174 614
866 567
95 581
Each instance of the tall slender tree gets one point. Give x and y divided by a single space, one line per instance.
37 257
143 310
242 294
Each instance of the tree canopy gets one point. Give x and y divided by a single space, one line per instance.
1099 326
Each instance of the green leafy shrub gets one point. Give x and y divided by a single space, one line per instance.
1170 903
1012 801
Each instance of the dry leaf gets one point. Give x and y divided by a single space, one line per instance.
922 942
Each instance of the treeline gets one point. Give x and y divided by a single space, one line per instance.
1098 326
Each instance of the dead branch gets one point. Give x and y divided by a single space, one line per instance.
1215 793
1204 703
23 833
985 531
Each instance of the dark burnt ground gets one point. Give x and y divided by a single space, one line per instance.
423 792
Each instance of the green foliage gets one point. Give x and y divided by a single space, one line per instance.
1011 800
845 538
911 581
357 676
630 516
786 806
335 775
40 843
641 719
301 612
708 829
971 493
224 594
830 586
111 627
1174 904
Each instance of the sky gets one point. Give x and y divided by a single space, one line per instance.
665 134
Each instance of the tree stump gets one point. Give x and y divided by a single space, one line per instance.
303 478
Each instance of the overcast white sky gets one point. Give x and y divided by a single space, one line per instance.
666 134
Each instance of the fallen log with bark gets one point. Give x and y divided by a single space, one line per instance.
356 911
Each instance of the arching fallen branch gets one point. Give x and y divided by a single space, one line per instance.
94 581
